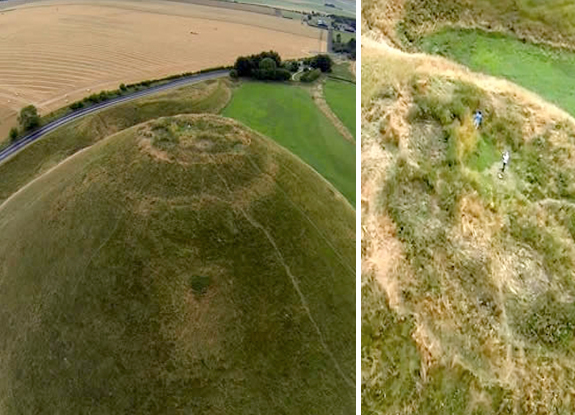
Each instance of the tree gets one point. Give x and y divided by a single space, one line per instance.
234 74
29 118
322 62
293 66
13 134
268 64
338 38
243 66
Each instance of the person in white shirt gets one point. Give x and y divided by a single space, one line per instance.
505 160
477 119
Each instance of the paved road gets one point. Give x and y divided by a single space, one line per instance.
73 116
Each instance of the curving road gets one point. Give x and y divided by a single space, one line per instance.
73 116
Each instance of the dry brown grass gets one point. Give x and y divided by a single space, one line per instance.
71 49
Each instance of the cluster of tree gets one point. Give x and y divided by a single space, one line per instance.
344 47
28 120
263 66
321 62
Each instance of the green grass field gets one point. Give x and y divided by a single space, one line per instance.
345 36
207 97
292 15
187 265
340 96
288 115
546 71
342 70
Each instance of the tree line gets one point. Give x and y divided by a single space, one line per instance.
344 47
263 66
269 66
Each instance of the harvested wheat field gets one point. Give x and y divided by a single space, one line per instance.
53 52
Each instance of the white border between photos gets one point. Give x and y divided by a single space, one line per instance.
358 212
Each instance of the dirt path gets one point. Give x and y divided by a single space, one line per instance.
318 97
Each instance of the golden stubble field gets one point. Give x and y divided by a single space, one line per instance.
55 52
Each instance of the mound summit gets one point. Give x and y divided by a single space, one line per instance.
468 288
185 265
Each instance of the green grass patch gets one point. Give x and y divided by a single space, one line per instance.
542 69
288 115
485 154
341 70
340 96
200 283
310 76
387 346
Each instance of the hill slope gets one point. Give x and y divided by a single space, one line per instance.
204 97
468 297
186 265
405 21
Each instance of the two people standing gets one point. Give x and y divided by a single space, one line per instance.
477 121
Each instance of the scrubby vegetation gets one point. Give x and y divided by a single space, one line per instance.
187 265
321 62
469 277
549 21
310 75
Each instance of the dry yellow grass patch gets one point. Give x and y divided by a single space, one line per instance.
53 53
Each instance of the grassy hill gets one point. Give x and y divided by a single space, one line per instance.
468 294
185 265
289 115
204 97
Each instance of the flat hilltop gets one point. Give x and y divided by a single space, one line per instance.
187 264
468 271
